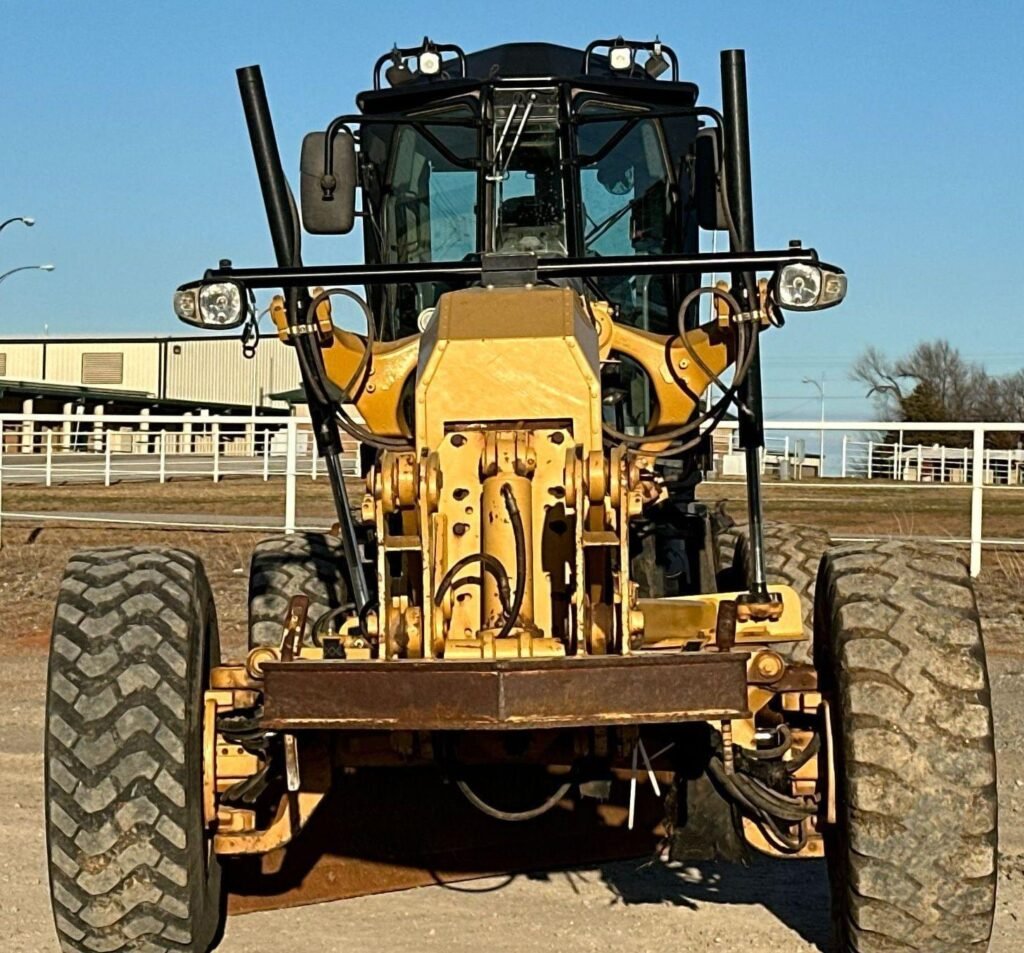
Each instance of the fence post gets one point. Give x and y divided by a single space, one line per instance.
215 433
942 464
106 458
871 447
842 467
163 456
898 468
290 468
266 454
920 463
49 457
977 477
313 467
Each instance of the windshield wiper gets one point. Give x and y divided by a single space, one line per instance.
500 176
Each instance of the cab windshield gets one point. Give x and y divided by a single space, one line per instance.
440 173
625 193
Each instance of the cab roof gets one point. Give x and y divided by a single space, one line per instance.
517 61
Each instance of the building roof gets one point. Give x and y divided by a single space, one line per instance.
134 338
43 389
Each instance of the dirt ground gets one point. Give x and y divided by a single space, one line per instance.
628 906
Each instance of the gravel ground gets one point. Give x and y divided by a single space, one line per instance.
626 907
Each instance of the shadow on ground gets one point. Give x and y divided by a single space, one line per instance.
794 891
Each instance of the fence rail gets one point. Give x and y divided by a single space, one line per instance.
80 449
50 449
978 467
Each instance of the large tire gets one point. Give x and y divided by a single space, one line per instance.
792 554
309 564
912 859
134 635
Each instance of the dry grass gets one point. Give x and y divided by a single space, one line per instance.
33 557
847 509
230 497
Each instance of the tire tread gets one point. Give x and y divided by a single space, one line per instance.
122 680
918 869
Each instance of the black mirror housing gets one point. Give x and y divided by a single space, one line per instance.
707 173
334 215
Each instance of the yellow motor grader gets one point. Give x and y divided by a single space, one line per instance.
528 602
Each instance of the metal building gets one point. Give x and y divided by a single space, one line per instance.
130 374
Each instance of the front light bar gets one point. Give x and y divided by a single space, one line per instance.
326 276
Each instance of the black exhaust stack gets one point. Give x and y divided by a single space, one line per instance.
744 284
284 232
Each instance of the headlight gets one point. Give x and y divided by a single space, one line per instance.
185 305
222 304
809 287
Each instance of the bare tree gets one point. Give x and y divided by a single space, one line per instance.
935 382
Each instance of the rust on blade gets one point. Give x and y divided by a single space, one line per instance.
506 694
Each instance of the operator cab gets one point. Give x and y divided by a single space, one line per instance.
528 149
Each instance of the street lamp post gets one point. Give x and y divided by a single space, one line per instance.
24 219
821 436
7 274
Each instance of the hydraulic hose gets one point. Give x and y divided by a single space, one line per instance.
543 808
489 562
520 539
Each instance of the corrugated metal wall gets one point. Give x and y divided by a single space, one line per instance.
215 370
211 370
23 360
140 368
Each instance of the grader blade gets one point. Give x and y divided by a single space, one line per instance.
365 840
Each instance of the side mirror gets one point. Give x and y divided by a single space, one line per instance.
335 215
707 192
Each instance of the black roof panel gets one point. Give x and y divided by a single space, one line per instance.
527 61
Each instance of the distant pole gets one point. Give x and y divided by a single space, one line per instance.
821 433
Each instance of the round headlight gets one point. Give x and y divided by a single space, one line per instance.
799 286
809 287
185 305
221 304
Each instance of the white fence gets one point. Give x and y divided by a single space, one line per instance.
65 450
982 469
52 449
927 463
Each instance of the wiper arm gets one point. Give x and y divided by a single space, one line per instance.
498 177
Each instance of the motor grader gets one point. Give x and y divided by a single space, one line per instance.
528 602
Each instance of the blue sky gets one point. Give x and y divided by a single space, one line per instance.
887 135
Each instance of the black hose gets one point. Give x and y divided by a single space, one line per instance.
771 801
489 562
813 746
752 794
782 841
520 535
500 815
361 374
317 631
744 356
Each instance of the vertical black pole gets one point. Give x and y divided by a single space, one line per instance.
284 234
744 284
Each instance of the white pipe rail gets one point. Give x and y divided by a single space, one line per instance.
49 449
